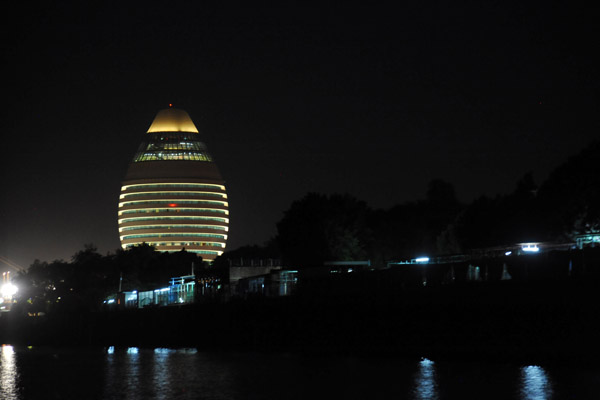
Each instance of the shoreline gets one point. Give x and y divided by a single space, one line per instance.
552 323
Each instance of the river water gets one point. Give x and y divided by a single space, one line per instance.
134 373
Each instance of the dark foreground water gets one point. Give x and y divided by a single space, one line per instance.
133 373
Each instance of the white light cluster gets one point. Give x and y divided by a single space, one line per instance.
8 290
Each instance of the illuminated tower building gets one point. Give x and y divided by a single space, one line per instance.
173 196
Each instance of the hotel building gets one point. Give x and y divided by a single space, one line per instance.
173 196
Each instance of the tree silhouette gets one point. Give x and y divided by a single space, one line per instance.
321 228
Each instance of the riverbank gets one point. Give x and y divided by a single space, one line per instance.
545 321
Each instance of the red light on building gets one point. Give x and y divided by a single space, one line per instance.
172 205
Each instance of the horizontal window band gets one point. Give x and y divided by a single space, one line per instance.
174 202
175 185
179 243
173 226
190 193
171 235
171 209
182 218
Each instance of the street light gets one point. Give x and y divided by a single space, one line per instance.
8 290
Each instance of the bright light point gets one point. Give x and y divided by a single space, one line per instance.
426 362
8 290
508 253
172 205
422 259
170 105
532 248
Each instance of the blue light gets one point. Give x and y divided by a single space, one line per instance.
535 383
508 253
422 259
425 382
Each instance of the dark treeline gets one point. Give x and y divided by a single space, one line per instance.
83 283
337 227
546 311
320 228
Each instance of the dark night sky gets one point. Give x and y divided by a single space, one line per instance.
368 101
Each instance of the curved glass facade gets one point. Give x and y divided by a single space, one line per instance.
173 196
172 146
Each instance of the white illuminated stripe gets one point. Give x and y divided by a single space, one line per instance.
186 209
172 184
173 243
422 259
207 252
158 201
162 232
175 235
180 217
174 190
167 192
189 207
173 226
176 224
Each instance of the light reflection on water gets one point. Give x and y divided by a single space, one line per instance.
426 386
164 374
8 374
535 384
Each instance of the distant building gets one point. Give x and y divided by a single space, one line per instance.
173 196
263 277
266 281
181 290
588 240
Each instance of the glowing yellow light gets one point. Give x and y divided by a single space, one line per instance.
172 120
